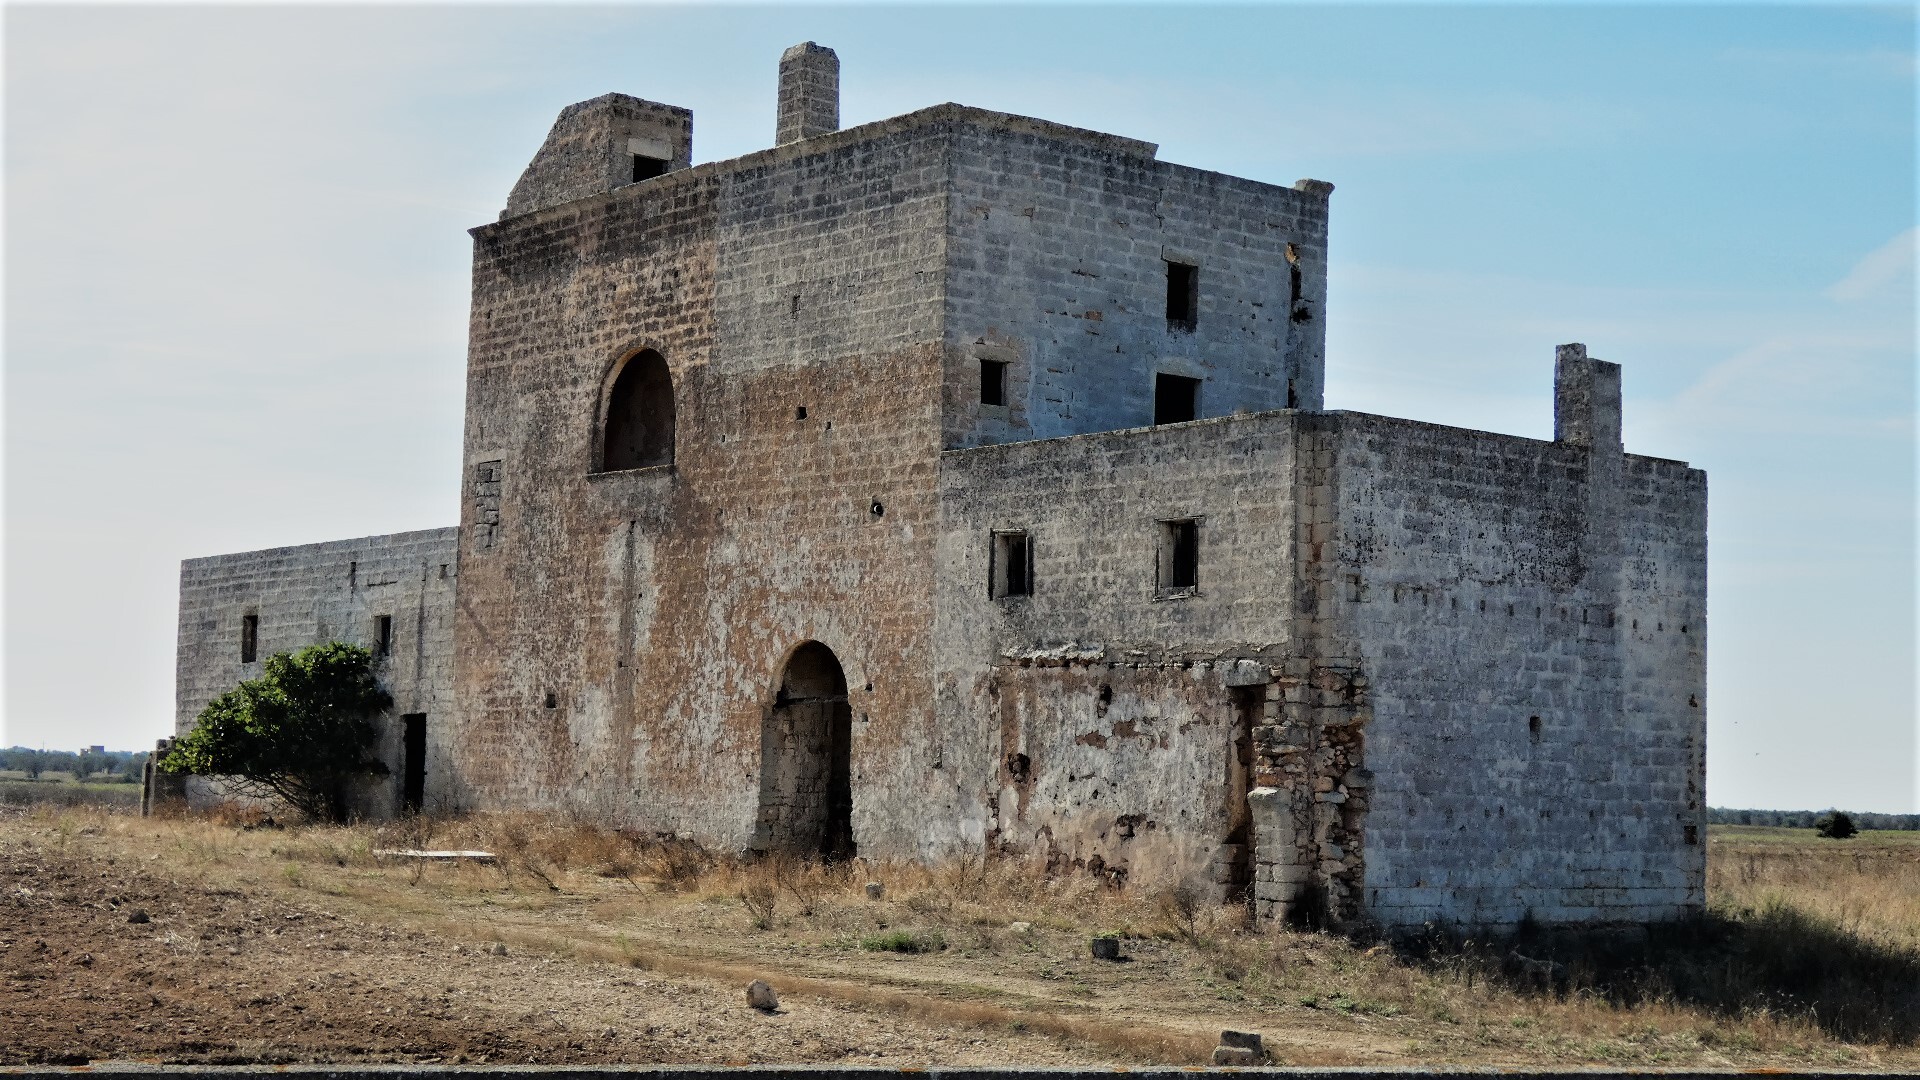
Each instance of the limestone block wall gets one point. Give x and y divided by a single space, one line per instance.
1059 251
1533 746
622 634
1094 722
592 146
334 591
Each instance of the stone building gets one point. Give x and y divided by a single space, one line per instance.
962 481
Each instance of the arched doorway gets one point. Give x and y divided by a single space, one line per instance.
806 779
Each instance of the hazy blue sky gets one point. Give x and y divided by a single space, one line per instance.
236 279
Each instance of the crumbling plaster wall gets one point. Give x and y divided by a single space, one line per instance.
1060 240
1094 719
657 606
326 592
1533 752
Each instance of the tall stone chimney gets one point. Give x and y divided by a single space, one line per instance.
1586 399
809 93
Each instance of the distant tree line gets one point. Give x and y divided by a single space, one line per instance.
1808 819
121 766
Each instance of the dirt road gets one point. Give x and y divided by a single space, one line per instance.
106 957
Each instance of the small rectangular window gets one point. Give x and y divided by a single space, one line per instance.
1183 296
1012 571
993 382
249 638
1176 399
1179 557
383 635
646 168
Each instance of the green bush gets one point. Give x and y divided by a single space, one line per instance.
301 731
1834 825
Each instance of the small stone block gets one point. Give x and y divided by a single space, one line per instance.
1105 948
761 996
1237 1055
875 890
1246 1040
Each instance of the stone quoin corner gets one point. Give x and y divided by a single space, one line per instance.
963 481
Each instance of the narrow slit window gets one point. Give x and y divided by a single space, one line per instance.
993 382
1297 307
1012 571
1179 561
249 638
383 635
646 168
1183 296
1176 399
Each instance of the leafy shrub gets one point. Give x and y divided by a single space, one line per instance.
1835 825
300 731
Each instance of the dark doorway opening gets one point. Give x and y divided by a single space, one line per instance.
1249 706
413 766
806 749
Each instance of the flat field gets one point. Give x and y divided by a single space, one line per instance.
203 940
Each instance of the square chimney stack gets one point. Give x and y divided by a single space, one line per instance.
809 93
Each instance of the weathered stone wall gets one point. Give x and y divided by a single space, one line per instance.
622 634
1094 721
328 592
1533 733
592 146
1060 244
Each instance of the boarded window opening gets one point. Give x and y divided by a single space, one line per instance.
249 638
1176 399
1179 558
646 168
1183 296
639 415
993 382
383 635
1012 565
413 769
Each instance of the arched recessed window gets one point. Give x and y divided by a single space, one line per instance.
639 415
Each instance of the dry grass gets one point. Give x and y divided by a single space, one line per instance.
1810 955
